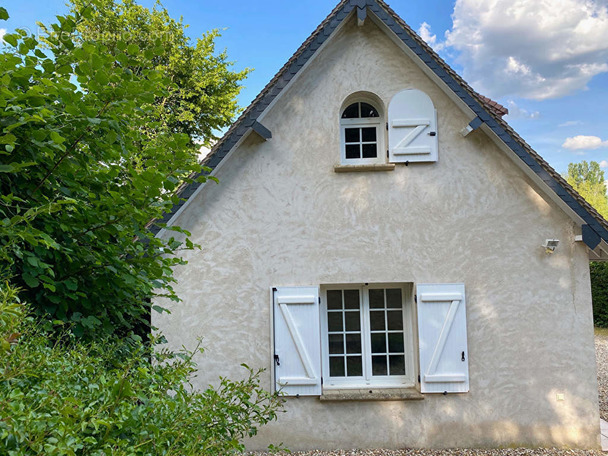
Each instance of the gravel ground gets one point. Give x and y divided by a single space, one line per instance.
454 452
601 351
601 355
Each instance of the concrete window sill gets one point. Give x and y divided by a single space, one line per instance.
364 168
378 394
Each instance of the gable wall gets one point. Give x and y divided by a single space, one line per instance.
282 217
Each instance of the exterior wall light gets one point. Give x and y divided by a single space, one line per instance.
550 245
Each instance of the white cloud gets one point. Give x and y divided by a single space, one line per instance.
425 33
570 123
582 142
203 151
603 164
2 33
531 49
516 112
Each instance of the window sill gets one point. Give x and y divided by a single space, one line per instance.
377 394
364 168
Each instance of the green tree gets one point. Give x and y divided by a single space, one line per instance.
588 180
201 98
94 139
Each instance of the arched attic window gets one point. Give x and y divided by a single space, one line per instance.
361 133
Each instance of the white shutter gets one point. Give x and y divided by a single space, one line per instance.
412 128
297 341
442 333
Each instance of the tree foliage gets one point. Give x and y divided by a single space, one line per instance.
72 397
588 179
202 96
95 136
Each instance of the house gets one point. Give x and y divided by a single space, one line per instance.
407 269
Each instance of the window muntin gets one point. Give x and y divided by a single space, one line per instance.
361 134
367 336
359 110
344 333
387 331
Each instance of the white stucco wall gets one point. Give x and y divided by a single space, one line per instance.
281 216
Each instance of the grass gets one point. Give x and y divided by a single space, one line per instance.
601 332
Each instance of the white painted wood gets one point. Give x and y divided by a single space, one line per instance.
396 123
466 130
297 341
412 134
367 380
442 334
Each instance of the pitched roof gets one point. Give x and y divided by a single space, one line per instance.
487 111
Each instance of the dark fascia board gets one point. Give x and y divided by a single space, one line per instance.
261 130
248 119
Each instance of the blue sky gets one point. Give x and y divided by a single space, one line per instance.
546 61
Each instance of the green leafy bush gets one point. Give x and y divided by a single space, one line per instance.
118 397
599 292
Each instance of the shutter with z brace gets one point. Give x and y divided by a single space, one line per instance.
297 341
442 331
412 128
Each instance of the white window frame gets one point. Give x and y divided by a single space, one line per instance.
368 380
378 122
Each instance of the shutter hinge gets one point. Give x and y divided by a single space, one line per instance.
321 380
319 299
276 360
386 126
416 299
418 378
387 154
274 289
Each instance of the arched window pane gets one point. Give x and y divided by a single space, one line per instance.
368 110
352 112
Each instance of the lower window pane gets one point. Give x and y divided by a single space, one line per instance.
379 365
353 343
377 320
393 298
336 344
351 299
336 366
369 151
368 134
378 343
351 135
376 299
397 364
395 342
334 321
354 366
334 299
395 319
353 321
353 151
